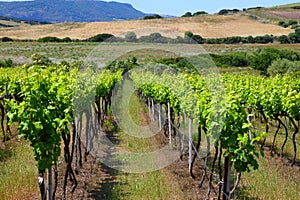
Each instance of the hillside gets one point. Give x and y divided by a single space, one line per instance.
211 26
57 11
288 11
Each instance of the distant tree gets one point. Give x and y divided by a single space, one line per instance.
264 39
283 24
188 37
100 37
200 13
188 34
263 58
156 16
250 39
49 39
179 39
198 39
66 39
6 63
279 67
294 37
130 37
6 39
297 33
295 26
283 39
187 14
292 22
228 11
154 38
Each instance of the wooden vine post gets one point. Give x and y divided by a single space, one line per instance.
49 184
190 142
169 122
226 178
159 116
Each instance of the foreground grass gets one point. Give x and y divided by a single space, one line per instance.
18 173
150 185
273 180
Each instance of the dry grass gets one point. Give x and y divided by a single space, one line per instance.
211 26
18 174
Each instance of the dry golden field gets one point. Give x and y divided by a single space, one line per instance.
211 26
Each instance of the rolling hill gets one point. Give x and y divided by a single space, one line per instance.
56 11
210 26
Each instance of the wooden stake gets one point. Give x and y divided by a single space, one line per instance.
227 175
190 142
169 120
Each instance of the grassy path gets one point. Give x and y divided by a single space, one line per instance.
151 185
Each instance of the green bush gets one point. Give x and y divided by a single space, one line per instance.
6 63
237 59
283 39
292 22
49 39
153 17
100 37
38 59
130 37
124 65
66 39
154 38
263 58
283 66
283 24
187 14
295 26
6 39
200 13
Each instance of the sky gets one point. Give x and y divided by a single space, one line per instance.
179 7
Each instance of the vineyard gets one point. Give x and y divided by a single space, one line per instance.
220 123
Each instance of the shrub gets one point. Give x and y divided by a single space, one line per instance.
49 39
6 39
130 37
228 11
283 39
156 16
200 13
283 24
264 39
237 59
6 63
263 58
39 59
66 39
154 38
279 67
295 26
100 37
295 67
124 65
187 14
292 22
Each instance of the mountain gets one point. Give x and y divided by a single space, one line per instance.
56 11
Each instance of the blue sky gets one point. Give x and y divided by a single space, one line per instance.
179 7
